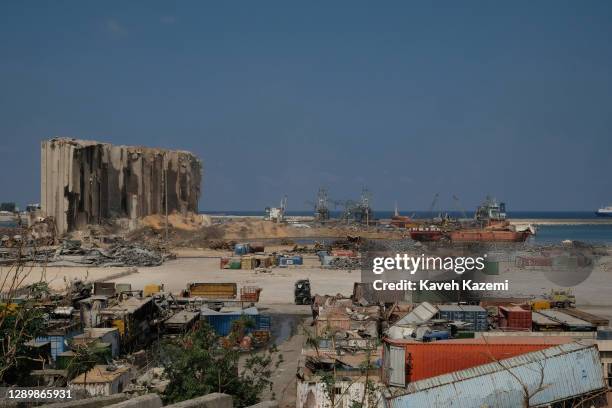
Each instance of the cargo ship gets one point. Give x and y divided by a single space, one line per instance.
489 225
604 211
426 234
488 235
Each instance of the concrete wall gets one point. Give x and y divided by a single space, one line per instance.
214 400
95 402
86 182
312 394
143 401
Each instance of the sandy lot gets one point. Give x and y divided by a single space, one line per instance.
203 266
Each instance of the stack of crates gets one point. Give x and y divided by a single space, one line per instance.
475 315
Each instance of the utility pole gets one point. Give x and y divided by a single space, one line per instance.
166 194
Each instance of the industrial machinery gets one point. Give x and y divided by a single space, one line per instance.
358 211
321 210
277 214
563 298
301 292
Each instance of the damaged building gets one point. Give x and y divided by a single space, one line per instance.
88 182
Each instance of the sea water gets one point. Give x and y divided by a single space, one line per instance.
587 231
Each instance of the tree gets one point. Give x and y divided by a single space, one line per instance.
197 365
20 321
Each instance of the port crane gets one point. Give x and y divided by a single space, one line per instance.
321 209
459 207
433 204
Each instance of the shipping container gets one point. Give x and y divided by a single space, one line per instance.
424 360
556 375
290 260
221 322
264 261
343 253
123 287
256 247
152 289
216 290
250 293
491 268
475 315
514 318
104 289
539 322
241 249
248 262
591 318
568 322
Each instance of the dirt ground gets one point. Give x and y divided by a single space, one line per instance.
203 266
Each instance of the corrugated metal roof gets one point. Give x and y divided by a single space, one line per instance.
565 318
568 370
541 319
420 314
472 308
450 308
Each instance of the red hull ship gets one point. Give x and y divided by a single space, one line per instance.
426 234
488 235
490 225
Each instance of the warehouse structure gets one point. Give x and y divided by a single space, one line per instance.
88 182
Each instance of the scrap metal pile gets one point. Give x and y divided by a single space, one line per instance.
120 254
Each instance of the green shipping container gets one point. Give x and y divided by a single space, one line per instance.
491 268
464 335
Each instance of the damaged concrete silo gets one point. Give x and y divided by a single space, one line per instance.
88 182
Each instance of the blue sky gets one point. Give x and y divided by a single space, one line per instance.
408 98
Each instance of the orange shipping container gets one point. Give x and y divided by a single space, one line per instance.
426 360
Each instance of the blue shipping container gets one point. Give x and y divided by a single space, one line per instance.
291 260
222 322
241 249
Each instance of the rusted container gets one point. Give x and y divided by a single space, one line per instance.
213 290
257 247
343 252
104 288
263 261
426 360
250 293
223 262
591 318
329 324
515 317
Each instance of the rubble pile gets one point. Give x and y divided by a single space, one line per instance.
121 254
345 263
